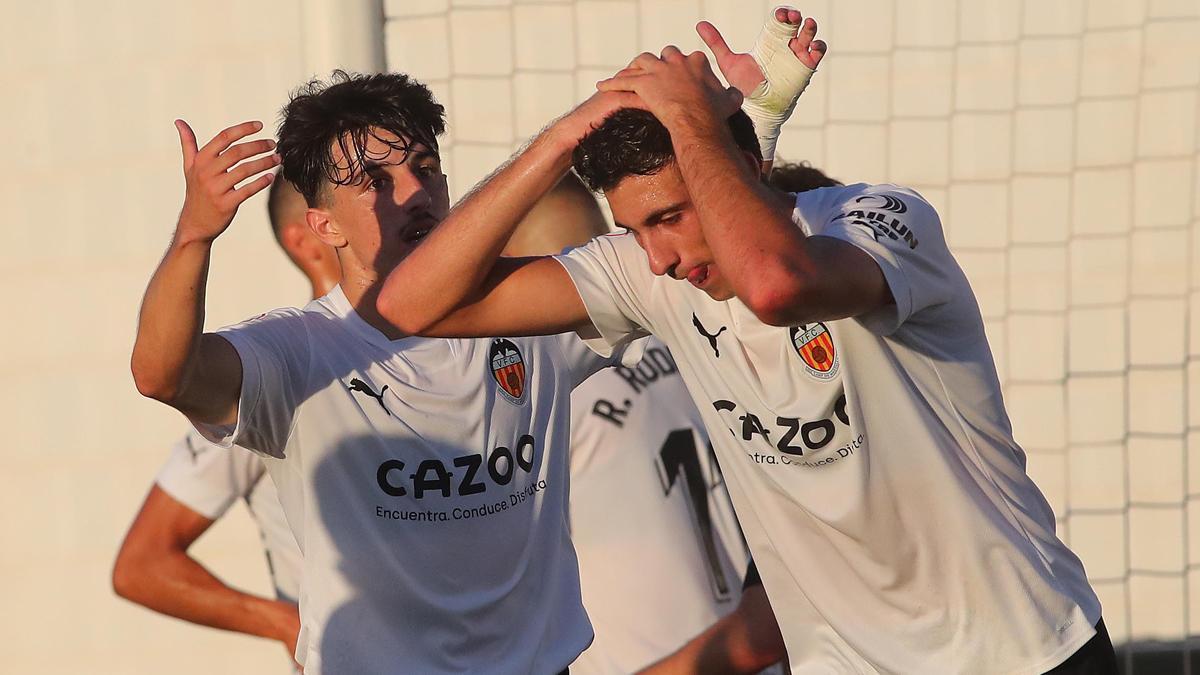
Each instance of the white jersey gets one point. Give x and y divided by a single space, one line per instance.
426 482
208 480
661 557
870 460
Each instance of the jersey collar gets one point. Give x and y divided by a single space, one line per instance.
336 301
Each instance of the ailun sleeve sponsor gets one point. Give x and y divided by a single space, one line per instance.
903 235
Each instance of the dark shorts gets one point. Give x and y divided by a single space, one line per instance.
1095 657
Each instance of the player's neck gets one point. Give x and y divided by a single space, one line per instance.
361 292
321 285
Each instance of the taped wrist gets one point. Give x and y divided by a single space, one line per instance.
772 102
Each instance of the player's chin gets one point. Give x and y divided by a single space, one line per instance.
719 292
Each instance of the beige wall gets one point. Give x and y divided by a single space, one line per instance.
1058 139
91 185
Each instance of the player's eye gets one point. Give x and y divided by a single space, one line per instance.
671 219
376 183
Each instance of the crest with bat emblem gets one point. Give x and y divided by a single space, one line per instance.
814 344
508 369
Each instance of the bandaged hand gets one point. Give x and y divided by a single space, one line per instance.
774 73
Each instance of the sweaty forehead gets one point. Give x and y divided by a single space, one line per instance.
637 198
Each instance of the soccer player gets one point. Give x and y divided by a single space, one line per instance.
748 640
660 552
425 480
838 356
199 482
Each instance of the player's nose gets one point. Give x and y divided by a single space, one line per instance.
663 260
411 192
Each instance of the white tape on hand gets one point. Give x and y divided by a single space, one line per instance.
772 102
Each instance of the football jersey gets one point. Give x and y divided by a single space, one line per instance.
426 482
870 460
660 553
208 480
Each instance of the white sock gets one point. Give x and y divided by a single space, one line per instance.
771 103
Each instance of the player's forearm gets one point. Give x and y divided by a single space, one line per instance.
716 651
756 246
171 320
450 266
174 584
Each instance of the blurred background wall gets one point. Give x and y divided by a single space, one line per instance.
91 184
1059 141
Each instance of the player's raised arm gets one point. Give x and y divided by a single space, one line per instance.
198 374
773 74
453 284
781 275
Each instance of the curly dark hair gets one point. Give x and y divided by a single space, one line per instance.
633 142
800 177
349 110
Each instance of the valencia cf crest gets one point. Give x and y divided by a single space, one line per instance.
508 369
814 344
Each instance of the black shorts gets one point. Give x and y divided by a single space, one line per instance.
1095 657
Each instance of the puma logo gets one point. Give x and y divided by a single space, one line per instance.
191 448
711 337
360 386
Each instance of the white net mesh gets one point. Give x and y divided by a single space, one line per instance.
1059 141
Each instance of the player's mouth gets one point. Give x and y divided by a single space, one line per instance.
418 228
698 276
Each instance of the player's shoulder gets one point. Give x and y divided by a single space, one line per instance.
199 470
297 322
275 318
194 446
865 194
816 210
616 255
620 244
887 196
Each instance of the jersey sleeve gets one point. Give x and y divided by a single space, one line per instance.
612 277
274 351
206 478
582 360
903 235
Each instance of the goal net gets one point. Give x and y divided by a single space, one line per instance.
1058 140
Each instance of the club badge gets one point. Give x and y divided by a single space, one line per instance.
508 369
814 344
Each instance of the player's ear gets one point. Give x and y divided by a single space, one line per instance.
323 225
292 237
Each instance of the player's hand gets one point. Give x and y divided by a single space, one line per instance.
673 84
741 69
212 174
287 627
590 114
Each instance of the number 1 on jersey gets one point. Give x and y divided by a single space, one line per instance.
681 458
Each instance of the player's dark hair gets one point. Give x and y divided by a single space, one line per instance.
800 177
348 111
633 142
